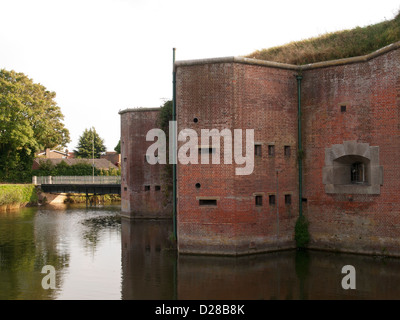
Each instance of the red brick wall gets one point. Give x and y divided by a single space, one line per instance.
135 172
237 96
371 93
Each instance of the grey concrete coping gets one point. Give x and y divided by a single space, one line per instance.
138 110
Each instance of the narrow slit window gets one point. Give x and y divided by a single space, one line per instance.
271 150
343 108
146 188
207 202
287 151
259 201
257 150
288 199
272 199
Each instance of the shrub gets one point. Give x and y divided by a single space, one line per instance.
301 234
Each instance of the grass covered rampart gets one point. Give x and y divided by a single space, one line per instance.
336 45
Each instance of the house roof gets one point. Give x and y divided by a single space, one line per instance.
98 163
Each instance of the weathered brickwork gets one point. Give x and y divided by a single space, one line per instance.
237 96
365 223
351 167
142 188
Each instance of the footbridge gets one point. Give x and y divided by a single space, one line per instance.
97 185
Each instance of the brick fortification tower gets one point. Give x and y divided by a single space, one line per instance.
350 129
143 193
219 211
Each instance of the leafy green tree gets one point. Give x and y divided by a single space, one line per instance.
30 120
118 147
89 141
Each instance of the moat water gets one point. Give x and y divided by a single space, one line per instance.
98 255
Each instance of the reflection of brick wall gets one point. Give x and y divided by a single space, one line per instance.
238 96
370 92
138 175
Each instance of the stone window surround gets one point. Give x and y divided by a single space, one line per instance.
357 150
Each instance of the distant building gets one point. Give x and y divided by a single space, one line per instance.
113 157
52 154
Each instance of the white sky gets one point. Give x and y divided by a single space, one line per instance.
102 56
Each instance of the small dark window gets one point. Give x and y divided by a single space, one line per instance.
287 151
257 150
272 199
125 188
146 188
207 202
271 150
258 201
195 120
288 198
206 150
124 159
157 188
198 185
357 172
343 108
304 200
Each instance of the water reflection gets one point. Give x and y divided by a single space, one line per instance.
97 255
86 254
151 271
148 263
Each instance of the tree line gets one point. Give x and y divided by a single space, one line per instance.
30 121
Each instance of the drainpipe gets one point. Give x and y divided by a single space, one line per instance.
174 203
300 147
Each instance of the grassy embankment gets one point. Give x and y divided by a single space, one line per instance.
17 195
337 45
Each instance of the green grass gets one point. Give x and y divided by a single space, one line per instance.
337 45
17 193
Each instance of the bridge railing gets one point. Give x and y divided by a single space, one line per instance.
76 180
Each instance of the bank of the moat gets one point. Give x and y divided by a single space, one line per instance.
15 196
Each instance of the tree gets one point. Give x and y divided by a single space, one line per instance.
30 120
117 149
89 140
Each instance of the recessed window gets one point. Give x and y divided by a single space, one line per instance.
198 185
207 202
146 188
343 108
271 150
287 151
258 201
358 172
195 120
271 199
124 159
257 150
157 188
125 188
288 199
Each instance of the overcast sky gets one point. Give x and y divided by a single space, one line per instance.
102 56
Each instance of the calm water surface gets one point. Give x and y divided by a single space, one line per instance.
98 255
